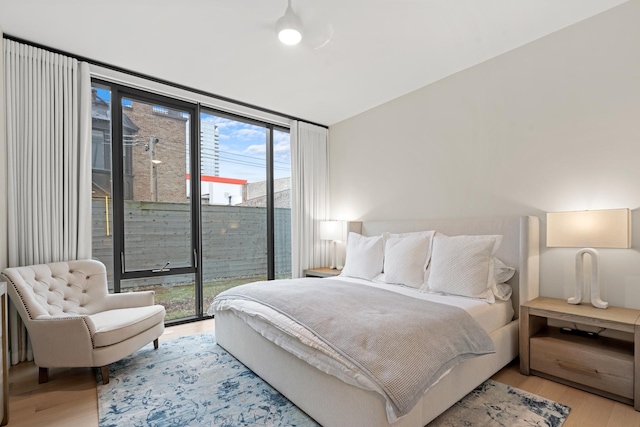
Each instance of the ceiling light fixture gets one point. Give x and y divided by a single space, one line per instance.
289 27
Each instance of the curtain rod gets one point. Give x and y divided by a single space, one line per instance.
156 79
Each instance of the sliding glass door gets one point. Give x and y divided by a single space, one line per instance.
239 199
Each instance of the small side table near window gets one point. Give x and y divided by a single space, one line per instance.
321 272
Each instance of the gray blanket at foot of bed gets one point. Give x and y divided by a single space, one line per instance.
402 344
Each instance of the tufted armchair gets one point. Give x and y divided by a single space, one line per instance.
72 319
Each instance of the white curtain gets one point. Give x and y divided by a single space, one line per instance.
48 143
3 170
310 195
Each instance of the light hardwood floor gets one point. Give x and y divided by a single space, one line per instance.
69 398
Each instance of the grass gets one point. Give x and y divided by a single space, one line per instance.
179 299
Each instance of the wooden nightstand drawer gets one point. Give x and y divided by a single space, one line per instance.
602 363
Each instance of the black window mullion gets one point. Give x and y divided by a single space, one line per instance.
271 264
117 184
196 215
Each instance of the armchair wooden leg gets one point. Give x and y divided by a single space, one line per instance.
155 343
104 371
43 375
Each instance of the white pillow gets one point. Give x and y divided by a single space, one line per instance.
364 256
429 234
463 265
502 291
502 272
406 258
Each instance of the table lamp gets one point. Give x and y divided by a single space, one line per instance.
609 228
333 231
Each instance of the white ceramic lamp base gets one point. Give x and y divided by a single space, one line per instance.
595 284
332 254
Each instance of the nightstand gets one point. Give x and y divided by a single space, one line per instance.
601 365
321 272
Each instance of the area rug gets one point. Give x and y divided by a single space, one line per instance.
191 381
493 404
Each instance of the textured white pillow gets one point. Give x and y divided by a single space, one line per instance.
406 258
463 265
502 272
502 291
429 234
364 256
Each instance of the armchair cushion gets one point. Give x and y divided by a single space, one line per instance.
114 326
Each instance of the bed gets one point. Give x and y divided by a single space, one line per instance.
332 401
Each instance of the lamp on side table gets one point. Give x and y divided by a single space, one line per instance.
589 229
333 231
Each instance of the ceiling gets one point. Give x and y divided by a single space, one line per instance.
356 54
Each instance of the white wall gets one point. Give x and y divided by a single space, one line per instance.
551 126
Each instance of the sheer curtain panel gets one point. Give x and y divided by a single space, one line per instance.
310 195
4 260
48 164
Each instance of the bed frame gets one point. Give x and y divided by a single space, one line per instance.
330 401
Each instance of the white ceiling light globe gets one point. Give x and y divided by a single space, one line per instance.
290 36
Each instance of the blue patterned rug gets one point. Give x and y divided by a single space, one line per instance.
493 404
191 381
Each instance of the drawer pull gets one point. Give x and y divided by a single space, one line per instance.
576 367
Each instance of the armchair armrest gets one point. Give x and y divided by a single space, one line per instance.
129 300
61 341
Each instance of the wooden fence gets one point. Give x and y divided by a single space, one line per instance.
234 239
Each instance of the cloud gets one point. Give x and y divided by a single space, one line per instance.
282 147
282 153
251 133
256 149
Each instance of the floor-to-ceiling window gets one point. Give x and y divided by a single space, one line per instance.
246 208
151 155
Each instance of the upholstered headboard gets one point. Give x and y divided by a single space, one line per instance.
519 248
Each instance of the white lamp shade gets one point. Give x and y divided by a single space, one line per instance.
609 228
332 230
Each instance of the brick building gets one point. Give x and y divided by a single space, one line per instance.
159 153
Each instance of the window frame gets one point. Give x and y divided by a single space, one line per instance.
119 91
